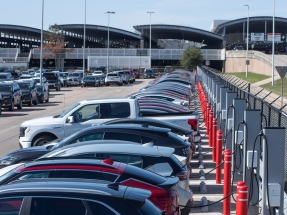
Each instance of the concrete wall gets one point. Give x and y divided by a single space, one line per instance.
259 62
238 65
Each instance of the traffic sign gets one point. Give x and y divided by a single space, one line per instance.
282 70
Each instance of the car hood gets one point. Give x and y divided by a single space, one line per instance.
50 120
25 91
5 94
31 153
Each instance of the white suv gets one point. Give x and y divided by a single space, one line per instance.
113 78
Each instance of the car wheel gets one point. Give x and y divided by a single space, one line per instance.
19 106
36 101
43 140
11 107
42 99
47 99
30 102
107 84
186 211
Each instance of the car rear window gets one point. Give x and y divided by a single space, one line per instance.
112 75
115 110
143 175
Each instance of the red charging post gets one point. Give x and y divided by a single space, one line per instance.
227 182
218 156
242 199
214 129
210 120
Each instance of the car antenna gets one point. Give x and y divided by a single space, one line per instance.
114 186
64 103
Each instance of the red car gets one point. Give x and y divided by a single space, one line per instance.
136 72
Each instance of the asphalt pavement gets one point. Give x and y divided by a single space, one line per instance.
10 121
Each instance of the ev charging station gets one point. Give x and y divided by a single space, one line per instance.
271 171
229 115
237 136
222 105
252 119
217 106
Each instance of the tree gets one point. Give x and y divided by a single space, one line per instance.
55 44
191 58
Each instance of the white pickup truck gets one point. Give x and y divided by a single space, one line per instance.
88 113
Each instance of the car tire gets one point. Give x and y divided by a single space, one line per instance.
36 101
42 99
19 106
187 210
47 99
43 140
107 84
30 103
11 107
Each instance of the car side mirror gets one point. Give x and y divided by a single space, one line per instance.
70 119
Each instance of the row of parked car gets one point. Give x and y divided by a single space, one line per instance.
110 156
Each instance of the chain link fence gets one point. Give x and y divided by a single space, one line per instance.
273 114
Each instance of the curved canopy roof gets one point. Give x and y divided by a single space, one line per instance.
115 33
255 19
179 32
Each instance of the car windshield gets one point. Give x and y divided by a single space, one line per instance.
3 76
5 88
74 74
62 74
67 111
39 89
98 72
148 71
89 78
24 86
65 140
114 75
25 77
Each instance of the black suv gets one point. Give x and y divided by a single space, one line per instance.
53 79
71 197
11 95
29 92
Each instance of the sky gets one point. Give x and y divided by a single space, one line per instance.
128 13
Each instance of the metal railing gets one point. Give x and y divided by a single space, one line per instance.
156 54
258 98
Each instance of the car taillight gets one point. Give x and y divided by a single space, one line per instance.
169 202
193 124
183 175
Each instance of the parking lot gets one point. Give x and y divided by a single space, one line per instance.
59 101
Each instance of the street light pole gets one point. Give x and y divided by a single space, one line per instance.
84 46
150 37
41 52
247 41
108 54
273 43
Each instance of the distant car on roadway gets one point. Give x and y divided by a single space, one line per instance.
113 78
53 79
6 77
148 73
11 95
42 93
238 48
29 91
44 82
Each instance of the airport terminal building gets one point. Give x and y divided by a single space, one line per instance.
167 41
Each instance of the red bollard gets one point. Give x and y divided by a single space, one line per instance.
227 182
242 200
207 118
218 156
213 142
210 138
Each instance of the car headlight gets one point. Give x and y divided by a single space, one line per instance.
8 161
